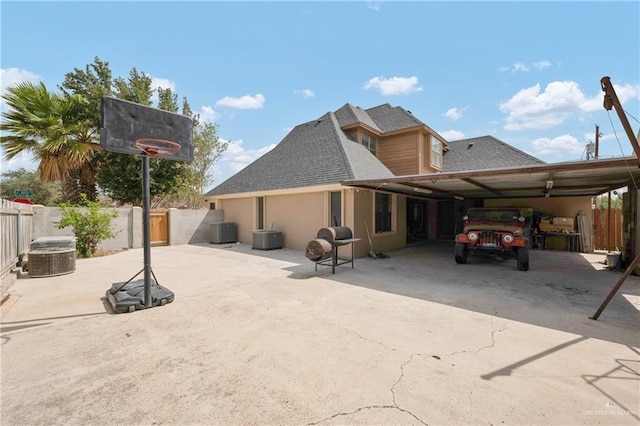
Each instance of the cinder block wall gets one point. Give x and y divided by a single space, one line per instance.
185 226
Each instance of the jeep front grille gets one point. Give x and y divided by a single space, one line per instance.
489 239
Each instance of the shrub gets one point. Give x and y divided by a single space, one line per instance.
91 224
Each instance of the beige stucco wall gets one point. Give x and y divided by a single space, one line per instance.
298 216
240 212
363 211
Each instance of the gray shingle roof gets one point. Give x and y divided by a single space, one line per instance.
390 118
349 114
313 153
485 152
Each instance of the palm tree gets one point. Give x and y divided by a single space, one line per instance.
45 124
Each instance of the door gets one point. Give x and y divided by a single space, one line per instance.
446 220
159 227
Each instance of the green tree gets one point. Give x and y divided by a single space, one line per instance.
92 83
45 193
46 125
207 147
91 224
603 201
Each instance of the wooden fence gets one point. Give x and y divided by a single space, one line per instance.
608 234
16 230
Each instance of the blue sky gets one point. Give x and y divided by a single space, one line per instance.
527 73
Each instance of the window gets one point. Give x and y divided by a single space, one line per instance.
335 208
436 152
370 142
383 212
212 206
259 212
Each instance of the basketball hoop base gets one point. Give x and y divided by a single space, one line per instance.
129 296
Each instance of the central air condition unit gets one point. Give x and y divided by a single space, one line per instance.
223 232
47 243
267 240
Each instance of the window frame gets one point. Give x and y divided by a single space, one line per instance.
259 204
392 205
367 144
436 155
330 199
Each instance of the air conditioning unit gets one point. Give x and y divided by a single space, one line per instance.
267 240
47 243
223 232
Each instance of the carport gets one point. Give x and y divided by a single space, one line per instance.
589 178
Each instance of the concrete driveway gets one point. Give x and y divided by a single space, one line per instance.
261 338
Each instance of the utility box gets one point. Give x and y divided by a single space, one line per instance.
267 240
223 232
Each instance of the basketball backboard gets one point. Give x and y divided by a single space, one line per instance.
124 123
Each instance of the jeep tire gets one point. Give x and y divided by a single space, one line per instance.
461 253
523 258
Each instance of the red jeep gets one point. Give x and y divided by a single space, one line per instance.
499 231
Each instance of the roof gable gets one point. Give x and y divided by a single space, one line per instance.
485 152
349 114
390 119
313 153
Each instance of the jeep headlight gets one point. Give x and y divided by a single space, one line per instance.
507 238
472 236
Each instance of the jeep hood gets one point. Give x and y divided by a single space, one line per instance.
486 227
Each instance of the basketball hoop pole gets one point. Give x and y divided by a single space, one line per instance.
146 229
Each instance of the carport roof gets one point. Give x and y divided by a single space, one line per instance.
583 178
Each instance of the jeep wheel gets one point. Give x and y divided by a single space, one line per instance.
523 258
461 253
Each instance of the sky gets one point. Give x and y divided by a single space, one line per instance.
527 73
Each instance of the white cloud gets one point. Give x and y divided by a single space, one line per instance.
245 102
236 158
11 76
625 93
532 108
519 66
522 67
306 93
394 85
207 114
541 65
455 113
162 82
374 5
452 135
559 147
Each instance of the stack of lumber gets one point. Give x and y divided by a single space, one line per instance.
585 242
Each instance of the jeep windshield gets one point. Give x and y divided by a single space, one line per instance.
493 215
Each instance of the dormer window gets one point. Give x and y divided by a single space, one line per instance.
436 153
370 142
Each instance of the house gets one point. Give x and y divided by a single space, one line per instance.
370 170
296 187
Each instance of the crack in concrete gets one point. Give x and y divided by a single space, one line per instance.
493 342
369 407
368 340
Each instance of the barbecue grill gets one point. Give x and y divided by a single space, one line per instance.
323 250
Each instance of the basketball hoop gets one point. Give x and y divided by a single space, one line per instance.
157 147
